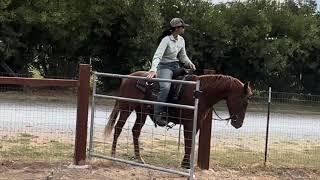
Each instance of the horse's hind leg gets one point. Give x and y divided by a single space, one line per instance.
136 130
124 114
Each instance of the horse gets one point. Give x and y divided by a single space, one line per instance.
214 89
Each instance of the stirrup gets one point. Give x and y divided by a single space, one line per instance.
161 119
170 126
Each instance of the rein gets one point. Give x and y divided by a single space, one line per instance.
224 119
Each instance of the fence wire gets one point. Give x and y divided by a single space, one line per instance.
37 124
294 131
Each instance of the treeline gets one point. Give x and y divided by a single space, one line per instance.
267 42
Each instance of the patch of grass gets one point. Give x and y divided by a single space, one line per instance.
235 157
36 73
307 158
22 138
31 148
289 143
283 154
26 135
162 153
167 159
167 143
25 147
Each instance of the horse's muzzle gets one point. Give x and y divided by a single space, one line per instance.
234 121
233 118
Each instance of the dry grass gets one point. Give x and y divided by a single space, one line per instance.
28 150
30 147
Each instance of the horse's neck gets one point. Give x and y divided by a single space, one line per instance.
215 89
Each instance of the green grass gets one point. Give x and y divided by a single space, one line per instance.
30 148
307 158
281 154
235 157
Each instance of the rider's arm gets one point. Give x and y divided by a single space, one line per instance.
159 53
183 55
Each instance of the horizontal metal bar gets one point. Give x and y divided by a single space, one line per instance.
142 165
144 101
144 78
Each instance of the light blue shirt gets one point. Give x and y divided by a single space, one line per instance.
168 51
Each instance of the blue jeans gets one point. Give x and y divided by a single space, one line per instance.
164 71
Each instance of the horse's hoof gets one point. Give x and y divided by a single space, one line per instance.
185 165
140 160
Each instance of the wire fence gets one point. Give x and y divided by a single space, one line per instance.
39 124
294 131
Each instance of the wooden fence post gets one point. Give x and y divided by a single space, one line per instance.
205 137
82 115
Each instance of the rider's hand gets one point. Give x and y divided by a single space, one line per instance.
151 74
192 66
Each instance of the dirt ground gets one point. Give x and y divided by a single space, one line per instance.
107 170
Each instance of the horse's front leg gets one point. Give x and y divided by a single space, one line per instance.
136 130
188 145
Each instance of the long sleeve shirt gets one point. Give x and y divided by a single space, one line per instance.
168 51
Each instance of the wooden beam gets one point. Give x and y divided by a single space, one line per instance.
33 82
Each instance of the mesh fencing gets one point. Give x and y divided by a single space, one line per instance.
37 124
294 131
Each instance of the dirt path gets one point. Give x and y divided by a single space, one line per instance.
105 170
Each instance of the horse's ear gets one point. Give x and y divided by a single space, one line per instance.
246 87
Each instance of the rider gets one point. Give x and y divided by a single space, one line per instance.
165 60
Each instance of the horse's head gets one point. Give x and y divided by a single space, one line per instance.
237 103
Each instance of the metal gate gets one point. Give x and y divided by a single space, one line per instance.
92 152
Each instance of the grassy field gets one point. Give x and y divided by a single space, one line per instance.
33 148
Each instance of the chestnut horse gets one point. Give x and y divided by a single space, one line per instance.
214 88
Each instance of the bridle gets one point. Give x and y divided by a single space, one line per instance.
233 117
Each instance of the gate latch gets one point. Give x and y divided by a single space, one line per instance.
197 94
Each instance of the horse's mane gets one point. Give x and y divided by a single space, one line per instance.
218 81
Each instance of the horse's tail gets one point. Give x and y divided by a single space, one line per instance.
112 120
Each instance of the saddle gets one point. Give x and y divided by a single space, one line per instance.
151 89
